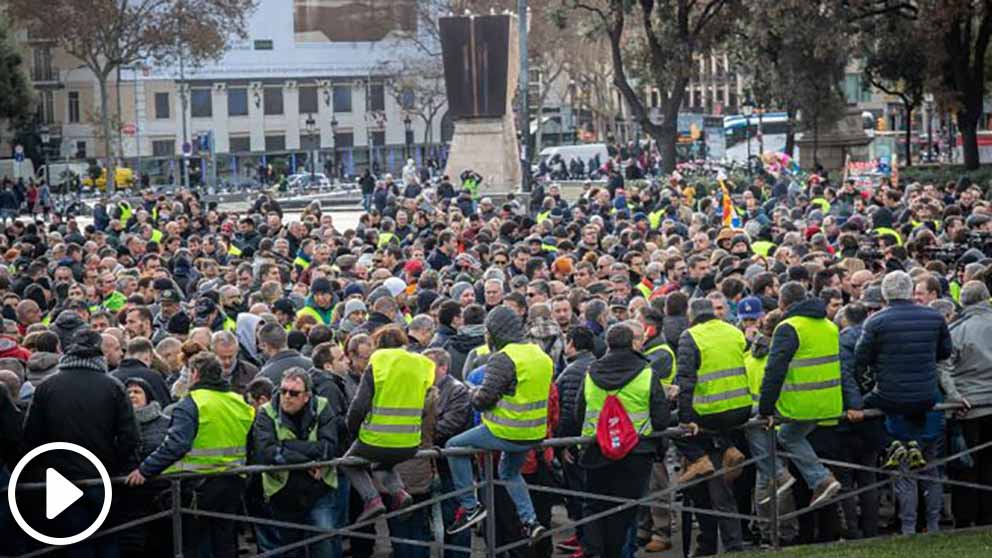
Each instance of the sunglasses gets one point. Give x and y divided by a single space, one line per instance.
291 392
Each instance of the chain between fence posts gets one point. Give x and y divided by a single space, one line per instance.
177 519
774 512
490 505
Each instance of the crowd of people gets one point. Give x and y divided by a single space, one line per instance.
174 336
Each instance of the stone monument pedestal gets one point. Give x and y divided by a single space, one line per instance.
489 147
845 137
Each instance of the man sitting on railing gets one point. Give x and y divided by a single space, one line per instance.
513 398
802 382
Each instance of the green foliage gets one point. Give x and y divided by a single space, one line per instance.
942 545
946 173
15 92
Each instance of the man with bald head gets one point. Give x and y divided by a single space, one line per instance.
112 351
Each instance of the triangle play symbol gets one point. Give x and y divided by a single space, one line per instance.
59 493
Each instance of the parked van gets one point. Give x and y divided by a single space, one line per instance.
61 172
582 151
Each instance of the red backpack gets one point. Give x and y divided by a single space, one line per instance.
615 432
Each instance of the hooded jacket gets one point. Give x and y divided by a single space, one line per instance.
282 361
970 366
66 325
612 372
461 344
134 368
41 365
153 425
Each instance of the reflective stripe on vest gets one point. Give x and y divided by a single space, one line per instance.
224 422
668 378
635 396
812 387
523 416
721 383
274 482
400 381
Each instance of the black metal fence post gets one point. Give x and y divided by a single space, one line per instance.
490 504
773 456
177 519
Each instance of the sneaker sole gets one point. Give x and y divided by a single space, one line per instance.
536 535
830 492
783 488
469 524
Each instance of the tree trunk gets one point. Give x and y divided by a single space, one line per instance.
105 126
120 112
909 135
667 138
968 127
790 134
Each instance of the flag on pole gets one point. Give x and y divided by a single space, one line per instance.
728 204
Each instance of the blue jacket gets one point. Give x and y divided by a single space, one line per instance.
900 347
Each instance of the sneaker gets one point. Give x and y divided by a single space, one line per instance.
732 458
373 508
568 545
894 455
658 544
785 482
914 457
400 500
465 518
699 468
534 531
827 489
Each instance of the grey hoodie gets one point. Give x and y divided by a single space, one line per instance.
42 365
970 367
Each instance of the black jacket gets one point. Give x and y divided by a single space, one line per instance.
785 343
283 361
901 346
153 426
569 384
375 321
301 489
83 405
461 344
11 430
454 409
133 368
615 370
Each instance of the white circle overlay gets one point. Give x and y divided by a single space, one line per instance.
31 531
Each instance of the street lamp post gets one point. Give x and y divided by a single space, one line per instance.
334 144
408 137
45 138
311 125
748 109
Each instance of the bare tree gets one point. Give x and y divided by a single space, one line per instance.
108 34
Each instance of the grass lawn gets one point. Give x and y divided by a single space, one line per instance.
960 545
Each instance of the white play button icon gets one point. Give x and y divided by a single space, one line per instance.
59 493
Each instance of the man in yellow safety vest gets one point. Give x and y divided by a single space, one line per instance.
802 382
207 434
513 399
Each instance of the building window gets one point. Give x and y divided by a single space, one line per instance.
201 103
309 142
163 148
74 107
263 44
48 107
239 144
378 139
162 108
342 98
344 140
275 143
377 97
308 100
272 101
237 102
80 149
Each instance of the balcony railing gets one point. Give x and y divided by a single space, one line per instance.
45 74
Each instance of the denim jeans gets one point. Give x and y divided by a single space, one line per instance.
413 526
510 463
324 513
908 496
792 437
448 508
367 202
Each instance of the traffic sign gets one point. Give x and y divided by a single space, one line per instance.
187 148
18 153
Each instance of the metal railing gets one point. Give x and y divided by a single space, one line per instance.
658 499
